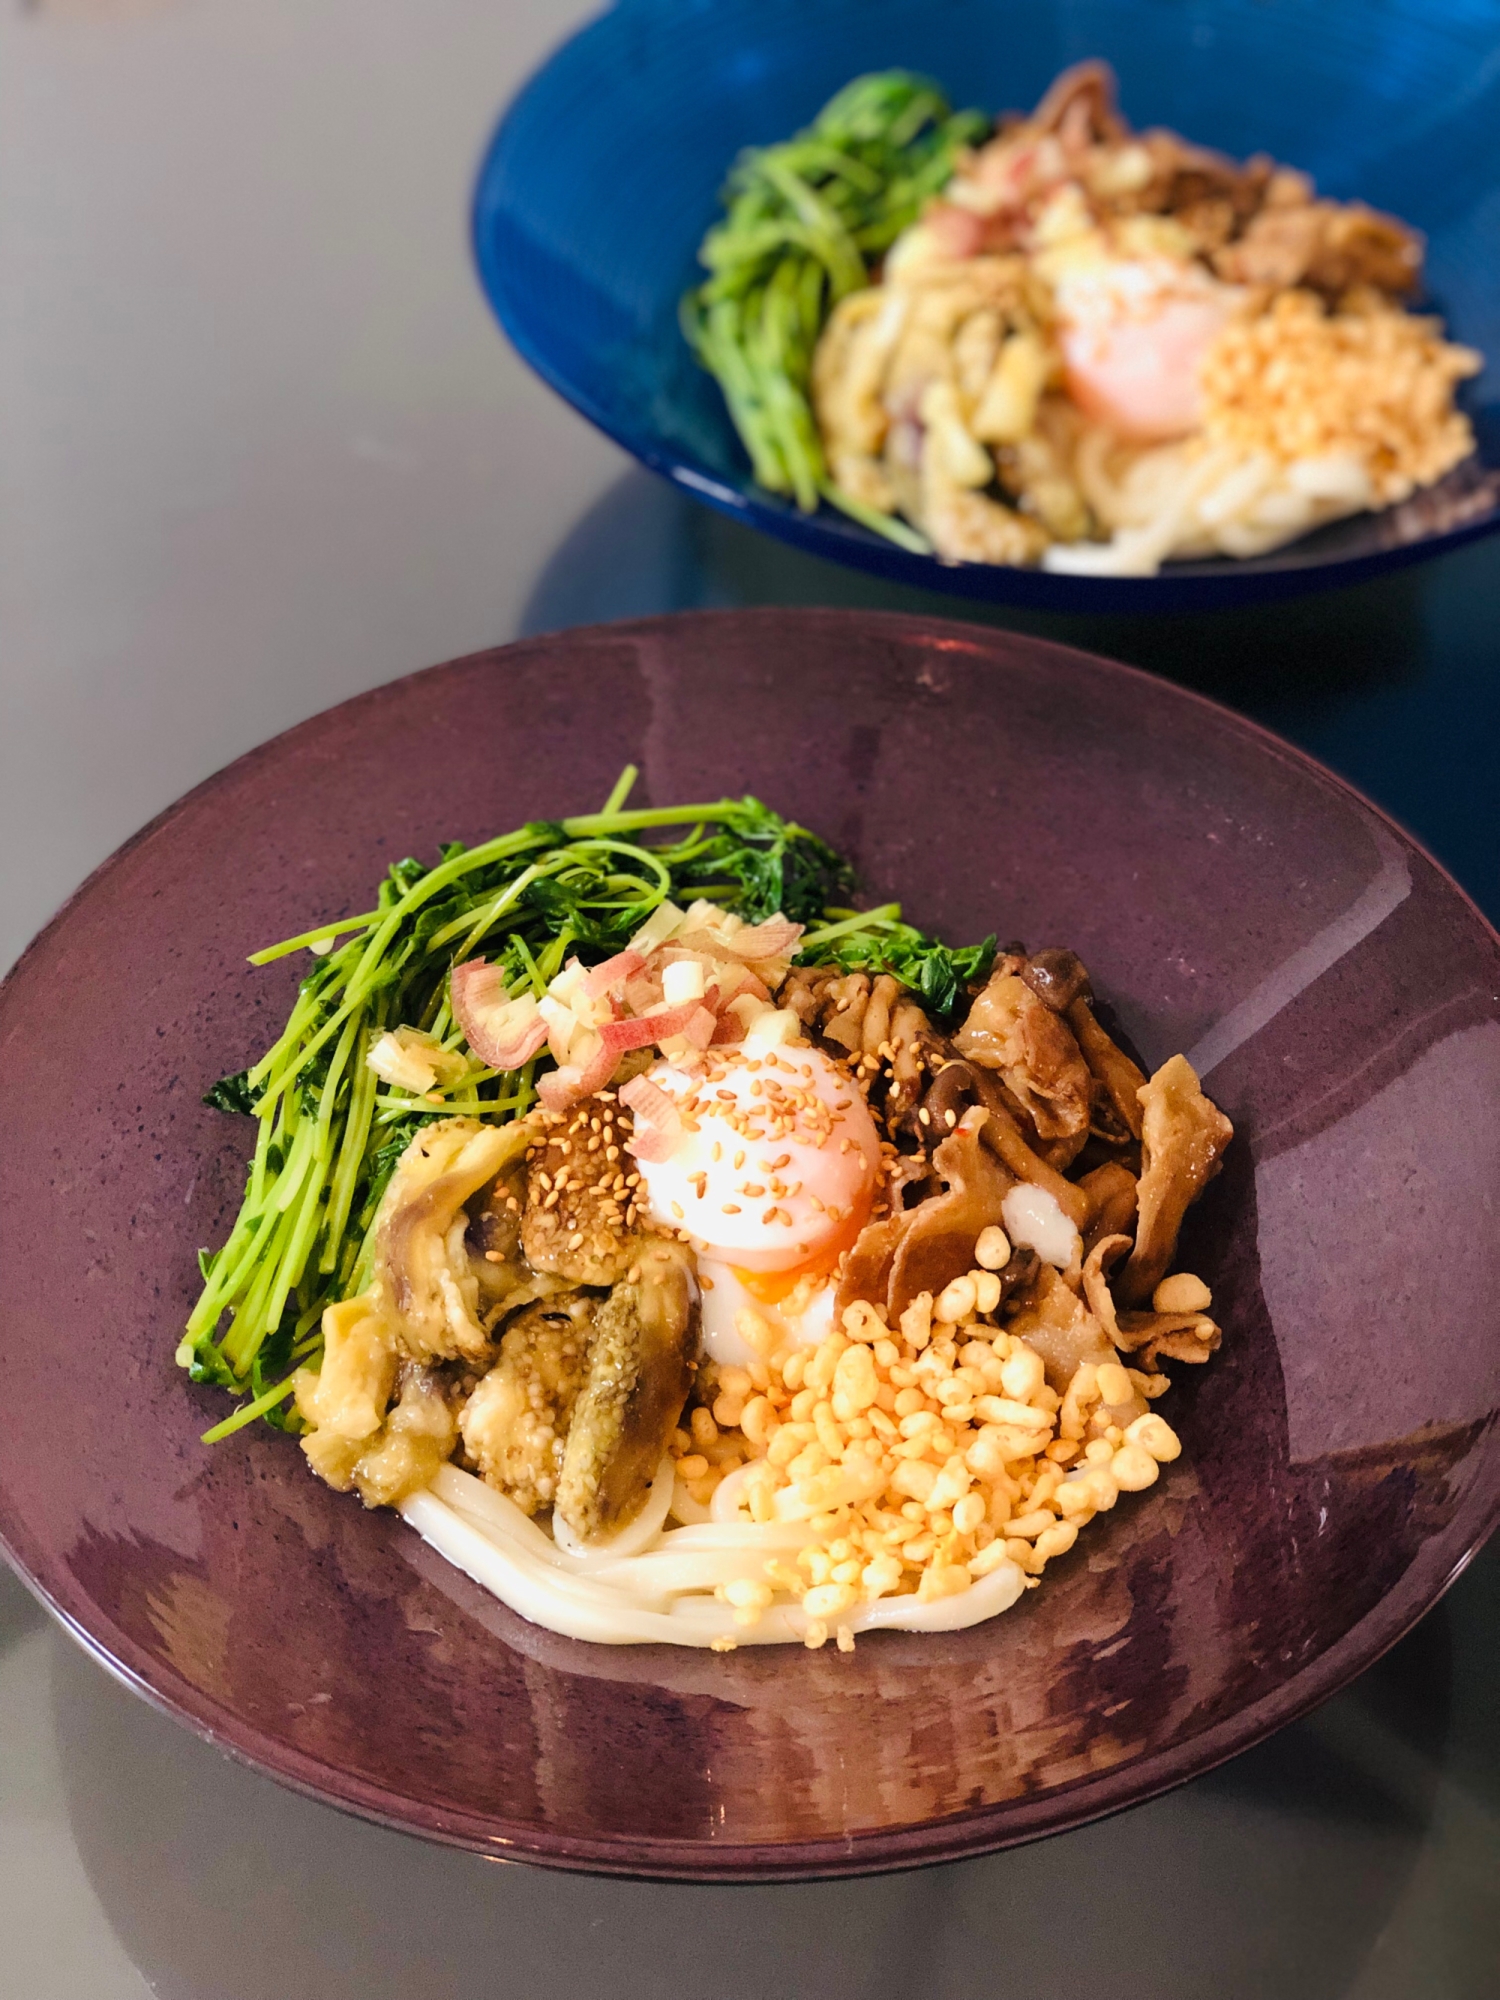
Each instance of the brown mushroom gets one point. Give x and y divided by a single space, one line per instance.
1183 1136
937 1237
1061 1328
1017 1277
961 1085
1152 1336
1011 1030
915 1049
956 1088
1112 1194
803 989
957 1084
1003 1136
1096 1282
1057 977
875 1028
1207 194
1082 99
1330 245
1108 1064
1107 1129
845 1025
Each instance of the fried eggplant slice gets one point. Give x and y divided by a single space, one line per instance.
640 1369
515 1424
423 1278
346 1396
416 1438
579 1217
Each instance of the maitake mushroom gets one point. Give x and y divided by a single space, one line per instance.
1183 1137
1010 1028
1029 1079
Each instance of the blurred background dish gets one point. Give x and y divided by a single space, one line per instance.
1231 898
605 171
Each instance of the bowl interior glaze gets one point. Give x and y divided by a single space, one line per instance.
604 173
1232 899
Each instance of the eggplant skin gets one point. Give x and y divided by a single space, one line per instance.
423 1278
515 1422
641 1365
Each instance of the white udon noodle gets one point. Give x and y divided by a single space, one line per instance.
655 1584
1219 499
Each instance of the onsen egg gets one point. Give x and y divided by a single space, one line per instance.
771 1178
1133 337
775 1162
799 1312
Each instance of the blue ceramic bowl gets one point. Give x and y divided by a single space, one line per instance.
604 174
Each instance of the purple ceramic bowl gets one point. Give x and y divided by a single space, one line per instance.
1232 899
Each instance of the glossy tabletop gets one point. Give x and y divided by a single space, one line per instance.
262 448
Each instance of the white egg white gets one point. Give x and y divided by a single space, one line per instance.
774 1166
801 1319
776 1156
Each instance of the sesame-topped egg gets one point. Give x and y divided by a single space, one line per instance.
771 1175
1134 334
776 1157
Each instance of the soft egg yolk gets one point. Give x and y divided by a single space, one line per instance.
775 1166
1133 341
802 1317
771 1287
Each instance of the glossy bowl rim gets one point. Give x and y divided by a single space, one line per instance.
983 1830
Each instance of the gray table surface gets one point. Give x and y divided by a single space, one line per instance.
261 447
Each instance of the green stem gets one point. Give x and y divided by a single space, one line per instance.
624 785
300 943
248 1412
888 913
362 1088
245 1335
897 531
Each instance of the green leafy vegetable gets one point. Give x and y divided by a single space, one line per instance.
232 1093
805 221
776 866
936 972
329 1133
